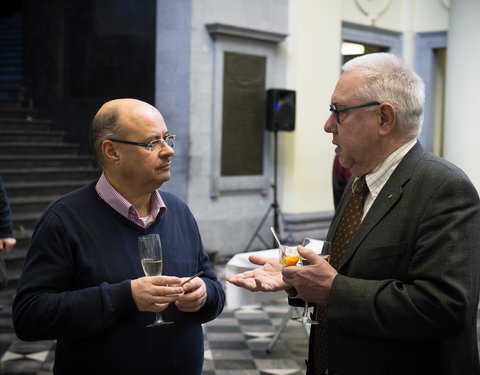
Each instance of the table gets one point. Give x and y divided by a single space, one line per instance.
238 297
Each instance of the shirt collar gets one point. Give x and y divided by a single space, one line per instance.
115 200
380 175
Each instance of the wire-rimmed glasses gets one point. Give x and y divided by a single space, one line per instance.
168 140
336 111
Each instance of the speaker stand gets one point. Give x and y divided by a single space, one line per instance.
274 206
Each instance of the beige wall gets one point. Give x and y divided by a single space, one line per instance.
313 69
462 117
313 50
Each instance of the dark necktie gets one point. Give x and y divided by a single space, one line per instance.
351 219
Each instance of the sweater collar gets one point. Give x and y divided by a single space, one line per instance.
115 200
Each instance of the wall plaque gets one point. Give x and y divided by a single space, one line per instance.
243 120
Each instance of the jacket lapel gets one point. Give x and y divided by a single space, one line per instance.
389 195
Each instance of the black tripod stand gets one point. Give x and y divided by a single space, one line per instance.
274 206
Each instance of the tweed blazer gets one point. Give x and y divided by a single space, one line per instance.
405 300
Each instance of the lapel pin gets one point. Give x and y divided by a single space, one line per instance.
390 196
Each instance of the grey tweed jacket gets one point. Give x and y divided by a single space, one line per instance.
405 301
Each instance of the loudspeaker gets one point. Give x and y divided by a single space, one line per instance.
280 110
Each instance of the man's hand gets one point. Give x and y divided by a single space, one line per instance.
194 297
7 244
312 282
155 293
267 278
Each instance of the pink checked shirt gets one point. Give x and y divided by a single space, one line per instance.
114 199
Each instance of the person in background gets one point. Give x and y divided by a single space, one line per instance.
340 177
7 239
82 282
400 294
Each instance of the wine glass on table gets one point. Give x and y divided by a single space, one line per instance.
325 254
150 249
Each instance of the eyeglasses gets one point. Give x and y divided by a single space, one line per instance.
337 111
169 140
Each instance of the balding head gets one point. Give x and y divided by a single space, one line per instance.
112 120
124 106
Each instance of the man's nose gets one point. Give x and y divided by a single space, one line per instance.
330 124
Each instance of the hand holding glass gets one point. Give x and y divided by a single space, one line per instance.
150 249
325 254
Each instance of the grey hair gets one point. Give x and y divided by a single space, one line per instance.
386 78
105 125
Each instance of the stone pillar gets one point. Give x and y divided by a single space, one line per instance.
462 115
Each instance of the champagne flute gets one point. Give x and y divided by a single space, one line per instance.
325 254
150 249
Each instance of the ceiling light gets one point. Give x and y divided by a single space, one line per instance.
352 48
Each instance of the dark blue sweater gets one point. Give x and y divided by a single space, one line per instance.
75 287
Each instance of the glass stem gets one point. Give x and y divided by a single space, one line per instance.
305 310
158 317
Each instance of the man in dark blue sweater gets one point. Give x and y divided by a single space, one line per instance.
83 283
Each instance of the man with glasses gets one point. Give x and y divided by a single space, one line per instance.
83 283
400 294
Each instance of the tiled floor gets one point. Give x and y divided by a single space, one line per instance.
236 343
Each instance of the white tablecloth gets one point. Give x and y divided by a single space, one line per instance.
238 297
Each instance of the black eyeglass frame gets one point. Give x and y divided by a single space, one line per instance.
337 111
169 140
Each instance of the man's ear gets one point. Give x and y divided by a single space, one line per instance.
388 118
109 151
